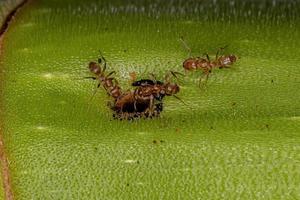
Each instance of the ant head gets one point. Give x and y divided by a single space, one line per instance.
171 89
101 59
94 68
232 58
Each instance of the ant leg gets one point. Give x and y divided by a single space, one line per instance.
95 91
219 50
186 46
125 115
90 77
207 76
177 73
169 73
134 106
100 60
207 56
151 106
217 54
93 95
174 73
207 73
104 67
113 72
200 80
135 97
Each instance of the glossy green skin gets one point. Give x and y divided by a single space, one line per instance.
238 138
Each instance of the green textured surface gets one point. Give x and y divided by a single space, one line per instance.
241 140
6 6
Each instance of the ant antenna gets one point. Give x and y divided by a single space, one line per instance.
175 74
220 49
100 60
207 56
108 75
185 45
182 101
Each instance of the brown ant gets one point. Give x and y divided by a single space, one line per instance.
108 83
206 64
146 99
122 101
154 90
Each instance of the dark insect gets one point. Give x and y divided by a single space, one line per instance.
144 101
154 89
206 64
146 82
127 107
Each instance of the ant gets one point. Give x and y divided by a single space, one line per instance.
146 99
206 64
108 83
154 90
122 101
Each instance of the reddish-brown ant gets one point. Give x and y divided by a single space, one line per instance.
108 83
144 101
206 64
153 90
